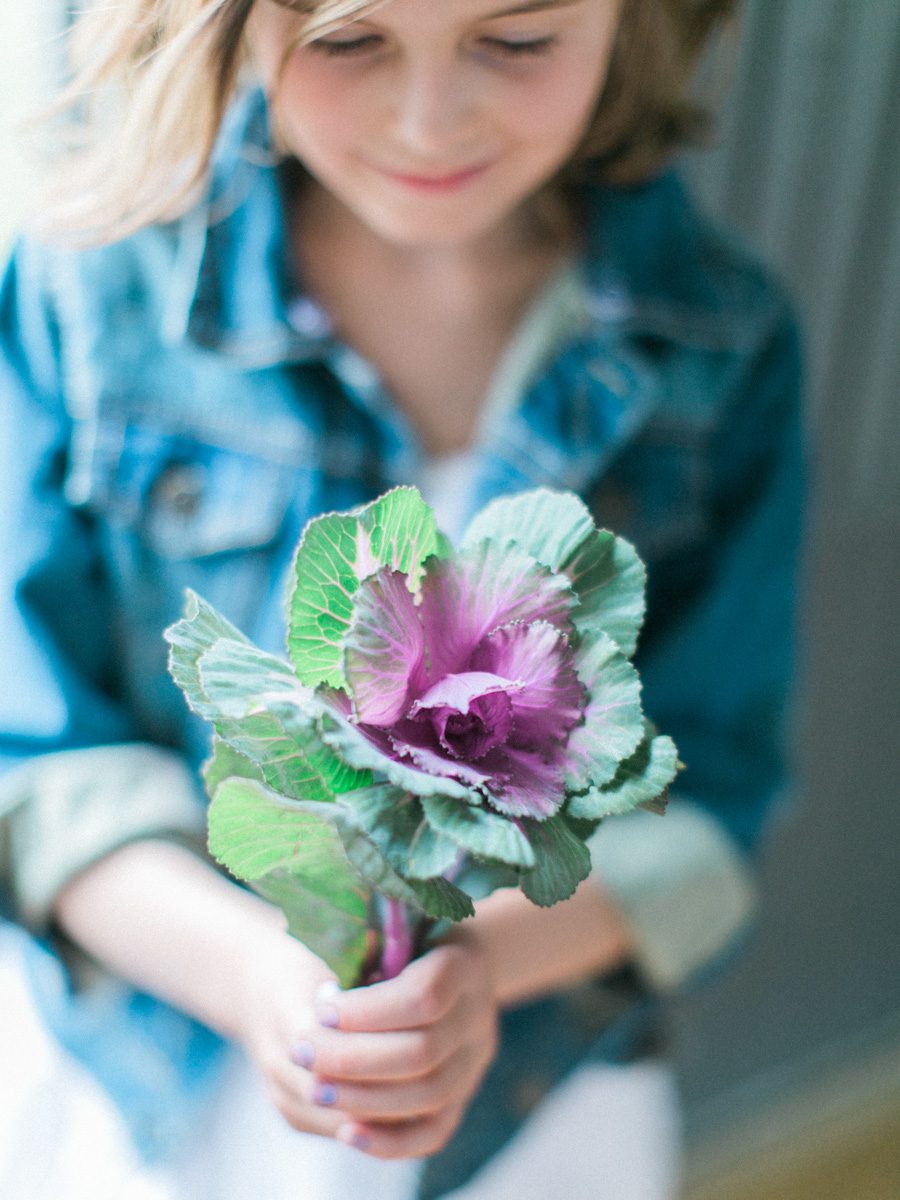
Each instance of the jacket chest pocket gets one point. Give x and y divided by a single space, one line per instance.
175 510
178 496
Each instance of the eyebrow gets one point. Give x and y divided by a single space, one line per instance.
528 6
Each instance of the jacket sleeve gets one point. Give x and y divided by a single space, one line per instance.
74 782
717 672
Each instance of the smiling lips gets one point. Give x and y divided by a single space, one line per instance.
435 183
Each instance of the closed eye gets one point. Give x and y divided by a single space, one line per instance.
372 41
346 46
516 49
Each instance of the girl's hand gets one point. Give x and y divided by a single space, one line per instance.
278 979
395 1064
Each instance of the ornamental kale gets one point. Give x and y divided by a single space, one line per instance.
452 720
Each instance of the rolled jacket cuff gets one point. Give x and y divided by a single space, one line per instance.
67 810
681 883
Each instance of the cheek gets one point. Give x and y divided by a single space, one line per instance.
313 115
577 81
554 114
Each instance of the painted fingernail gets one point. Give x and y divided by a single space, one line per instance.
325 1093
303 1054
326 1012
352 1137
328 1016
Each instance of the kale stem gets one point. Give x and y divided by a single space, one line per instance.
398 947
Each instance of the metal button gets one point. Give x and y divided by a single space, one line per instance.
180 489
308 318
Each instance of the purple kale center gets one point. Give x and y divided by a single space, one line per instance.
470 733
475 683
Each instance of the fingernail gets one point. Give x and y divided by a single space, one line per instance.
325 1093
326 1013
328 1016
352 1137
303 1054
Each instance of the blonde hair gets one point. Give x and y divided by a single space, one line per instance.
152 80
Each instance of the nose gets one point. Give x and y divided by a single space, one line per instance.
433 109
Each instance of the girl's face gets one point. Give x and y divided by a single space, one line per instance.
434 120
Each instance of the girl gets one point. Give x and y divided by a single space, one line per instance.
327 246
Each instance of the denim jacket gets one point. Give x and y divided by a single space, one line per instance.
174 409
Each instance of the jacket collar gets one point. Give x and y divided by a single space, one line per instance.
656 265
233 289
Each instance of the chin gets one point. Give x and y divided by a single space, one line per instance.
418 228
423 235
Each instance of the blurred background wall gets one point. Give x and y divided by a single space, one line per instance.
791 1063
802 1040
28 60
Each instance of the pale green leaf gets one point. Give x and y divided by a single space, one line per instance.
437 898
613 723
558 530
336 552
401 532
642 779
337 775
394 821
189 639
254 830
610 580
238 677
341 938
288 766
548 525
562 859
478 831
292 853
260 708
225 762
368 859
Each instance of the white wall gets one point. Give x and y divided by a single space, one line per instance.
28 53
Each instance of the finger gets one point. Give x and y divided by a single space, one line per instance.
304 1116
413 1139
376 1057
450 1085
421 994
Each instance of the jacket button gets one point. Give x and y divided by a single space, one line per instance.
306 317
180 489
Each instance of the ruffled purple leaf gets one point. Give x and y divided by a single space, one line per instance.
417 742
368 747
464 598
469 713
550 700
384 648
526 783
